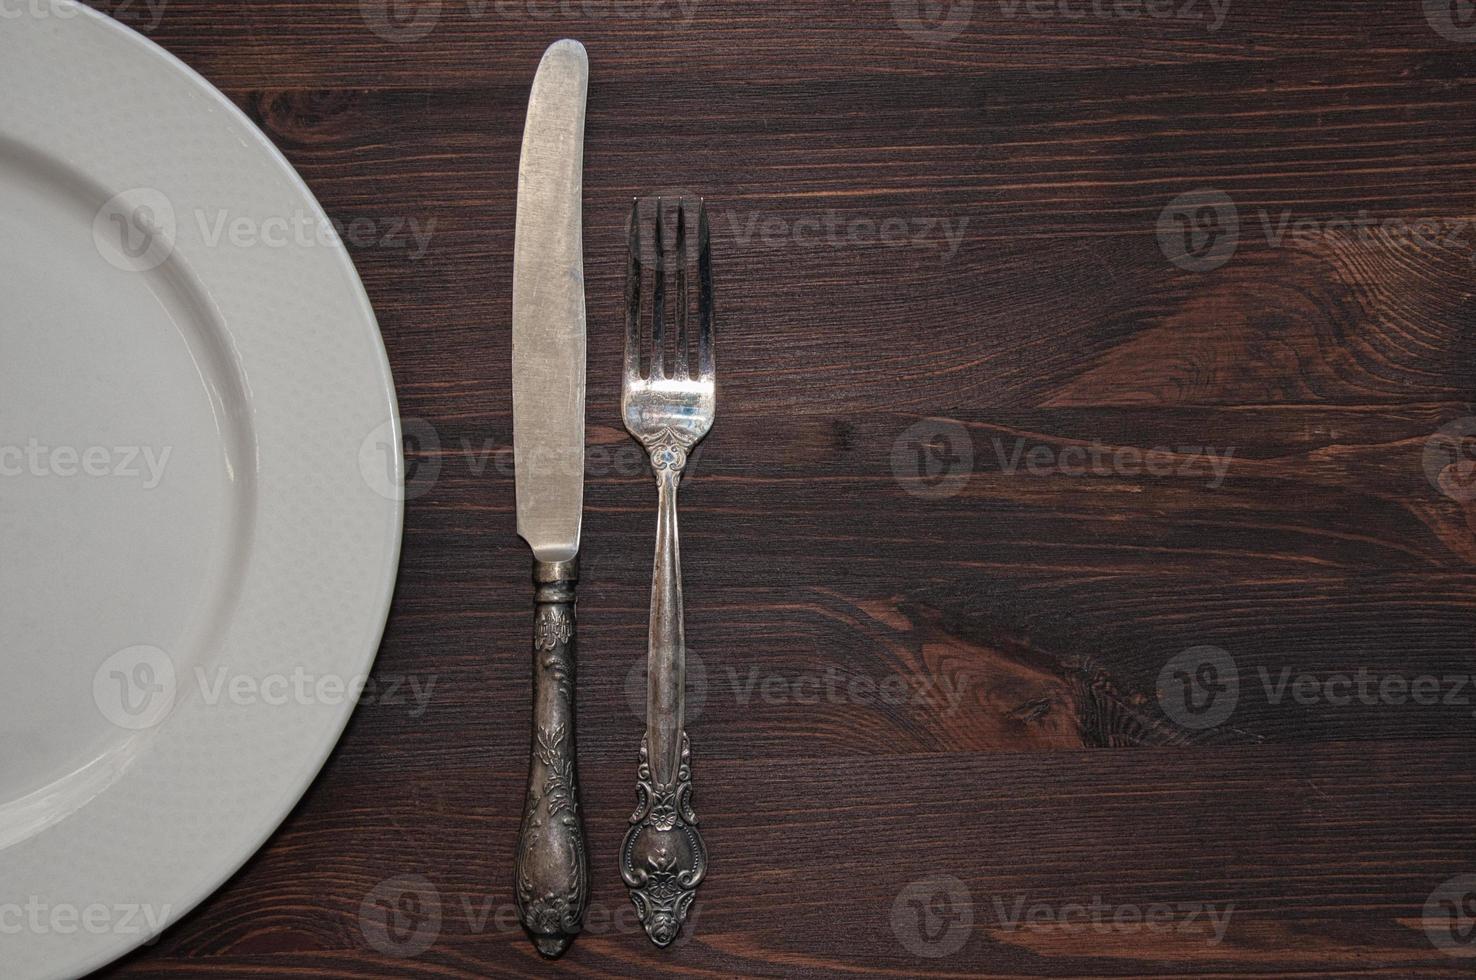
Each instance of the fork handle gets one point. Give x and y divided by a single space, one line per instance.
552 887
663 859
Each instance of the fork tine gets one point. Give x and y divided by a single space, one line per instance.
705 365
633 293
658 302
682 299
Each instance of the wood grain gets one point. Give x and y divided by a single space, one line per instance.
934 720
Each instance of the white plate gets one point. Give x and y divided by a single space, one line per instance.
199 489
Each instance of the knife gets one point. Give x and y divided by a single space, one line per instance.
552 880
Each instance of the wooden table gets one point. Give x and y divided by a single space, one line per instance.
1080 572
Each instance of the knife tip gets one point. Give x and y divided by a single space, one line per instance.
567 48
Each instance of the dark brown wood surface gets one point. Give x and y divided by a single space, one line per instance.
942 601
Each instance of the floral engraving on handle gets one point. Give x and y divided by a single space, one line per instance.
556 808
553 629
552 876
663 859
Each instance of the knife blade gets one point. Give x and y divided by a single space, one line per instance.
548 351
548 308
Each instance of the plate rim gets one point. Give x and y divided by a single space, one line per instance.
312 759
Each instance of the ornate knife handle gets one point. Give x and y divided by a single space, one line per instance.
663 859
552 887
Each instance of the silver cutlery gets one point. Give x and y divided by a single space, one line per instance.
552 879
663 858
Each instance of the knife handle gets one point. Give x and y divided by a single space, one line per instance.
552 887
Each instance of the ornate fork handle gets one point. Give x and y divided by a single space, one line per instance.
552 885
663 859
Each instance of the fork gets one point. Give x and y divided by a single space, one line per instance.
663 859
